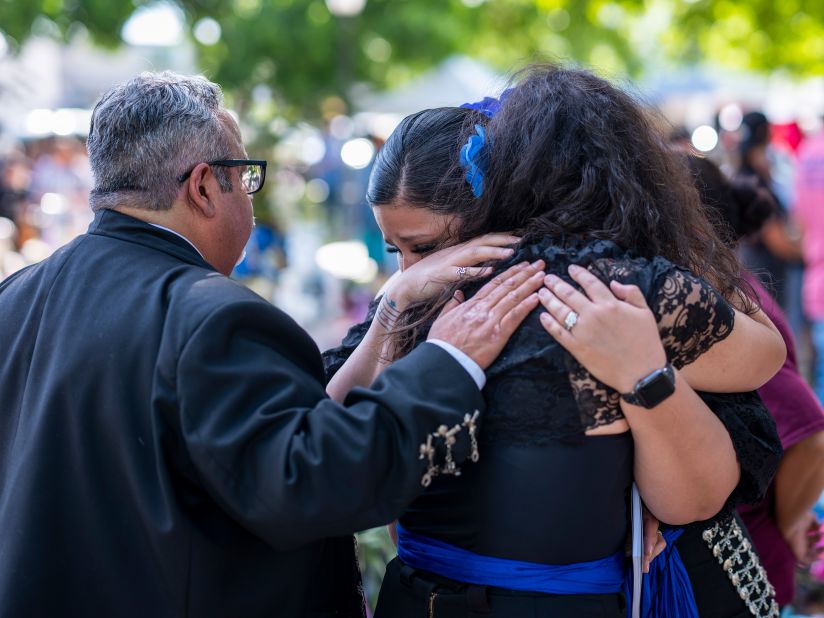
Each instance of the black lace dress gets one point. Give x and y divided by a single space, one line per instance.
543 491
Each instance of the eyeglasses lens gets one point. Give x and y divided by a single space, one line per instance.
251 177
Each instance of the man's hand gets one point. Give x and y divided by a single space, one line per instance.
481 326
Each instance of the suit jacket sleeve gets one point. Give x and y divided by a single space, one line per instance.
282 458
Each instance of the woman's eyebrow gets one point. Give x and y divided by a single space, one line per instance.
414 237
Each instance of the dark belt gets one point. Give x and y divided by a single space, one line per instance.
430 586
441 597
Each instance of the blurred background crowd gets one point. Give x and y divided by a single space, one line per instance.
317 85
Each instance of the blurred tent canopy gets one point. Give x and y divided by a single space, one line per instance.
306 55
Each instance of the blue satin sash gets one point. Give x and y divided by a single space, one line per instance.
666 592
604 576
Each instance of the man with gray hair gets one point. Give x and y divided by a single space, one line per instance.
166 444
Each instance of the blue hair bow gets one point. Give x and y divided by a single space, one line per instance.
474 160
489 106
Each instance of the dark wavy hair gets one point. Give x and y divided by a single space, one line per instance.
569 155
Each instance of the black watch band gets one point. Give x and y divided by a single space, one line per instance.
652 389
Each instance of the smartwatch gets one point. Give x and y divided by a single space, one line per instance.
653 389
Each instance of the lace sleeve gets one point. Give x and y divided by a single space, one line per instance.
334 358
692 316
755 439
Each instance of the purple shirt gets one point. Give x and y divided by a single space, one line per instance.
797 415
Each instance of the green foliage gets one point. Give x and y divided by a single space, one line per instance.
306 55
757 34
104 18
375 549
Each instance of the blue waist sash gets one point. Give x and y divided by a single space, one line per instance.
604 576
667 590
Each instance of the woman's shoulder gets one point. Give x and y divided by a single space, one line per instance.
604 258
560 251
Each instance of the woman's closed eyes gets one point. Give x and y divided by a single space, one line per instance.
418 249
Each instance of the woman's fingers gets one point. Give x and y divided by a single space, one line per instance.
571 297
660 545
628 293
592 285
654 542
556 308
483 249
484 271
457 299
556 329
500 240
470 256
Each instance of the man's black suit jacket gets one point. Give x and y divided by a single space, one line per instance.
167 448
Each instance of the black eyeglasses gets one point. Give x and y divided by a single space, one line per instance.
251 178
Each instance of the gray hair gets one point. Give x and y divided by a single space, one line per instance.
146 132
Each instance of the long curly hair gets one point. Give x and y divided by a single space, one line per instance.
569 155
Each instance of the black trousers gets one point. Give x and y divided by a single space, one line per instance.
408 593
715 596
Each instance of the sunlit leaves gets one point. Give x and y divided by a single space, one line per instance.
305 55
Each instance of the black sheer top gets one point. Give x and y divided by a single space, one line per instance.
542 490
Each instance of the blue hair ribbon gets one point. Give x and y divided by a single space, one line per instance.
474 158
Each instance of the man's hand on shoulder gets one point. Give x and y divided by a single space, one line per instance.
481 326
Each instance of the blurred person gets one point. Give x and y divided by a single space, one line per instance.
809 206
547 501
55 170
166 444
775 251
15 180
782 525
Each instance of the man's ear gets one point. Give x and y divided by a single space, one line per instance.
200 188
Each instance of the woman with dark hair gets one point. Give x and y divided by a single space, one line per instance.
537 526
774 251
782 526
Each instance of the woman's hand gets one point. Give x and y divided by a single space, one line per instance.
615 336
437 270
654 542
803 539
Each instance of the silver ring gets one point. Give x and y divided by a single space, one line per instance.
461 272
570 320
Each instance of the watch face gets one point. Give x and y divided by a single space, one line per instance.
653 389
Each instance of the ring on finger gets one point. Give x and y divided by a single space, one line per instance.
570 320
461 272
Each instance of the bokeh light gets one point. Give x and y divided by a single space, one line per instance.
357 153
704 138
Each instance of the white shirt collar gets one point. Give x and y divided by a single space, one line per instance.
179 235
